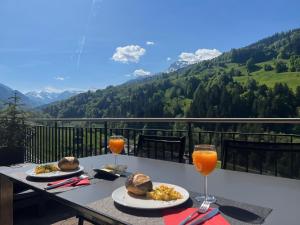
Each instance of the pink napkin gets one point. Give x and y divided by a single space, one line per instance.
174 217
76 182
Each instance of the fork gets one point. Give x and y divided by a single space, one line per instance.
202 209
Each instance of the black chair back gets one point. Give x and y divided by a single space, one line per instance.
161 147
277 159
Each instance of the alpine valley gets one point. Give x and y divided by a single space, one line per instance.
259 80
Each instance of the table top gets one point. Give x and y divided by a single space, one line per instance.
280 194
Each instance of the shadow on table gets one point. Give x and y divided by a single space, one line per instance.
153 213
138 212
49 179
105 177
233 210
241 214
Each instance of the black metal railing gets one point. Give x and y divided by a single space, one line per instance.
50 139
278 159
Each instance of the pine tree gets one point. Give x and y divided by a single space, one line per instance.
13 124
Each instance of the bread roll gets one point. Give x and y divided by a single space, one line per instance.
138 184
68 163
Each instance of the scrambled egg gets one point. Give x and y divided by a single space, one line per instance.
46 168
164 193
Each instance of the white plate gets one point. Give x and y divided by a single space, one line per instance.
55 174
122 197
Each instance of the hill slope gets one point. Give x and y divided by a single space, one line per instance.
7 92
224 86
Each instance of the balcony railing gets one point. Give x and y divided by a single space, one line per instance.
50 139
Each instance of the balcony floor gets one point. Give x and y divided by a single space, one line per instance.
54 214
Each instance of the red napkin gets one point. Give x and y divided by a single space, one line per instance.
76 182
174 217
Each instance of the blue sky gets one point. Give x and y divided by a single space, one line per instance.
86 44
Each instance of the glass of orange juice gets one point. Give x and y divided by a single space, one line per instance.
116 145
205 161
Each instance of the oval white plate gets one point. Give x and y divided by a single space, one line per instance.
122 197
55 174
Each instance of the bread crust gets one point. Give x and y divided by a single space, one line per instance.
68 163
138 184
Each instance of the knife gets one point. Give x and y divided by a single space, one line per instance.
209 215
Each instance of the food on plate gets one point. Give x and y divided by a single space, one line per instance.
115 168
48 168
68 163
164 193
138 184
141 184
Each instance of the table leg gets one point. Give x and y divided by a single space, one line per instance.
6 201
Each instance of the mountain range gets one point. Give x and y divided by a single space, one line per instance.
34 98
46 97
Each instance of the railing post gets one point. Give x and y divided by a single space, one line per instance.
55 142
25 146
221 146
191 145
134 142
35 144
105 137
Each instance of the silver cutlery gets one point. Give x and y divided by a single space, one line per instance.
68 181
202 209
208 216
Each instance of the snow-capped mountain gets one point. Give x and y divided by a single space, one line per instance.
188 58
176 66
46 97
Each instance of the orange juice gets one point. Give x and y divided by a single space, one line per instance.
116 145
205 161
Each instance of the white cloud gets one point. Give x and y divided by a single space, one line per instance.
141 73
60 78
129 53
199 55
169 59
150 43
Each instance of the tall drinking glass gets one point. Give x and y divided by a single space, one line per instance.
205 161
116 145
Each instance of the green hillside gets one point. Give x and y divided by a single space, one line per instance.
292 79
259 80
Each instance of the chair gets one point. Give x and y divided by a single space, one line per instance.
277 159
169 148
27 198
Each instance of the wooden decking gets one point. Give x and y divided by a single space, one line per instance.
54 214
